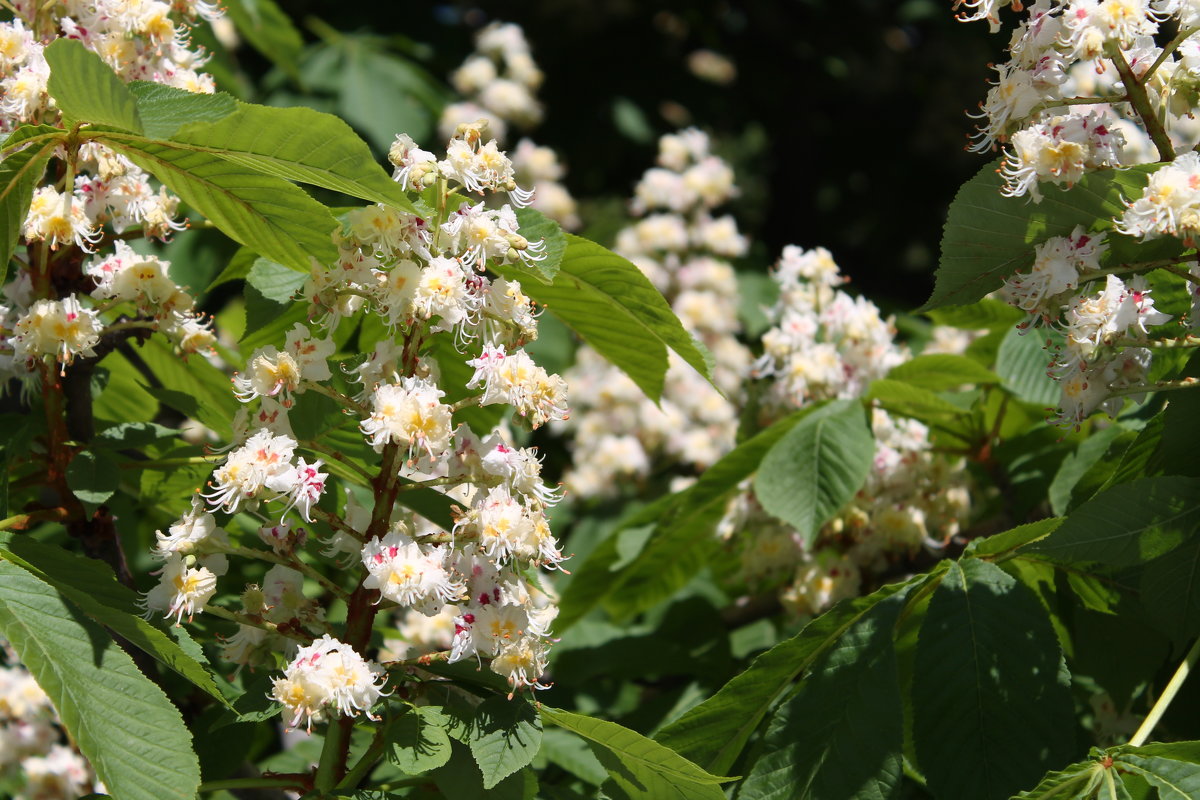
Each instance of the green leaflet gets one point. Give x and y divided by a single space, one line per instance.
91 587
505 736
992 708
942 371
268 30
87 90
676 547
714 733
816 467
1128 524
989 237
128 729
19 174
641 768
536 226
841 734
264 212
614 307
417 741
1021 364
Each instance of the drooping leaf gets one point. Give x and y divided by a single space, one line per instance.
275 281
124 724
1174 778
614 307
418 741
816 467
274 217
908 400
1171 590
505 736
1076 781
714 733
989 237
988 313
537 227
678 534
942 371
19 174
91 587
640 767
268 30
841 735
165 109
1021 364
86 89
459 777
298 144
992 708
1012 539
93 477
1128 524
1077 464
215 403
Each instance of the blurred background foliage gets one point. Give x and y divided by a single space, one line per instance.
844 122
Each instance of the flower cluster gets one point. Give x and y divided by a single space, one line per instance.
682 248
1061 100
419 282
826 345
36 762
499 81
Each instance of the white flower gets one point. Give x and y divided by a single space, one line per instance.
181 589
59 328
328 674
196 531
410 574
409 413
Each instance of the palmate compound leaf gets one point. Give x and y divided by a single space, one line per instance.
90 586
714 733
640 768
124 724
816 467
609 302
841 734
989 237
992 708
20 171
1172 768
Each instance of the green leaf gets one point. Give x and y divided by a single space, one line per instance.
268 30
237 269
1076 781
275 281
274 217
1021 365
573 754
418 741
1128 524
87 90
535 227
165 109
195 377
124 724
940 372
677 547
93 477
714 733
908 400
459 777
299 144
992 708
1077 464
93 589
989 237
505 736
267 321
20 172
614 307
989 313
1171 590
816 467
642 768
1013 539
842 733
1174 779
133 434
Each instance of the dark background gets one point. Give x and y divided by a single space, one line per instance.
845 124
